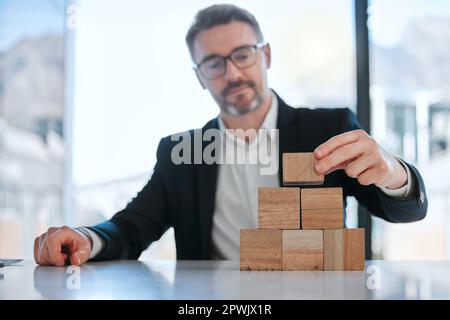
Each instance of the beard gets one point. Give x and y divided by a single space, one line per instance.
240 105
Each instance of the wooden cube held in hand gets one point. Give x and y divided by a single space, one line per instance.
344 249
298 169
260 249
279 208
302 250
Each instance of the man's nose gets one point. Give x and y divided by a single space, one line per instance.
232 73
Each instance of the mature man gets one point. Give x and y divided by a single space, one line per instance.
207 204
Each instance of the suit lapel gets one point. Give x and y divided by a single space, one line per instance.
206 192
288 132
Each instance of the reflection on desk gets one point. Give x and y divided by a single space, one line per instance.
222 280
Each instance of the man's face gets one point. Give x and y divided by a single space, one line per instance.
239 90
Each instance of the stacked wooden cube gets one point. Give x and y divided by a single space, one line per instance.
301 228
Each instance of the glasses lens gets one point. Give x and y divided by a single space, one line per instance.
244 57
213 67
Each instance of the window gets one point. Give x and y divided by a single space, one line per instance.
32 144
410 68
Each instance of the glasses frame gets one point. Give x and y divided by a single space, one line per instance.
197 66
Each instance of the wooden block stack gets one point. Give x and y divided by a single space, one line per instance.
301 228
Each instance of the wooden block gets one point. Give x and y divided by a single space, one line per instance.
321 198
279 208
298 169
333 255
354 249
344 249
260 249
302 250
322 219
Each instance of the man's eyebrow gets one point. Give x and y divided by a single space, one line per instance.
209 56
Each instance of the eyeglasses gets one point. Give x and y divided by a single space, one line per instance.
215 66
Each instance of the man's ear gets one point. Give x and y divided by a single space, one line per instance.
199 80
268 56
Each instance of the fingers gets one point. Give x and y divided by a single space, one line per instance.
340 155
35 250
362 158
81 250
340 166
368 177
80 256
358 166
55 242
366 170
41 253
60 245
337 141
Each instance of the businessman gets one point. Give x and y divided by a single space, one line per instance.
208 203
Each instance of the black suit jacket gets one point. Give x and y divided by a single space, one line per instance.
183 196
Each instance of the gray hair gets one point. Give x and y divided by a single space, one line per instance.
217 15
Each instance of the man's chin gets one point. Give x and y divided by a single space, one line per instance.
236 111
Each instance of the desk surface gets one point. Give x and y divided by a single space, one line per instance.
222 280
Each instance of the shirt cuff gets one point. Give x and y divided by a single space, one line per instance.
97 242
402 192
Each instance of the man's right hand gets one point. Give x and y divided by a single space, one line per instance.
59 246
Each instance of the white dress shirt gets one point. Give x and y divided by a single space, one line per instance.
236 202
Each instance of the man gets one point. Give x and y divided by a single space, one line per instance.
207 204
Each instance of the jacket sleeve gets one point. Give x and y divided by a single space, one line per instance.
144 219
408 209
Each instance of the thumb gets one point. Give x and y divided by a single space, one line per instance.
79 257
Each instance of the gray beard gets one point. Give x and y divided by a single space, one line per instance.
233 111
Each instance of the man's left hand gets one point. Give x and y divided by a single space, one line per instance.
361 157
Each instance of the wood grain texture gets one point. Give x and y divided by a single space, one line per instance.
354 249
322 198
322 219
302 250
260 249
333 255
344 249
279 208
298 169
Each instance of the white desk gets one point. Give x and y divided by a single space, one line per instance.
222 280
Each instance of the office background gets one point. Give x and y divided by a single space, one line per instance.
87 89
